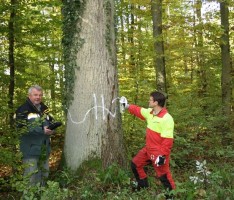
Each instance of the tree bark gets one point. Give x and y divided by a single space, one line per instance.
94 124
202 70
156 9
11 59
226 60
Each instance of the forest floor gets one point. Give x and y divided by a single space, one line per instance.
220 176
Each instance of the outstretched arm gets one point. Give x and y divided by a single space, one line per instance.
136 110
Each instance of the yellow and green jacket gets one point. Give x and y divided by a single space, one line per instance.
159 131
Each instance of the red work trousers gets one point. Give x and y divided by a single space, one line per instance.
142 159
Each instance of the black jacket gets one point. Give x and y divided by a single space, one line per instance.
30 124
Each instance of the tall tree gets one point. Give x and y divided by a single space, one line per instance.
199 44
226 59
30 36
156 8
11 58
93 126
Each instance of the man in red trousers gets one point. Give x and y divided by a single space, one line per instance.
159 141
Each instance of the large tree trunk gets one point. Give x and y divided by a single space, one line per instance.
156 8
93 124
226 60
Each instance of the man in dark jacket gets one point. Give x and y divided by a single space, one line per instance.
32 123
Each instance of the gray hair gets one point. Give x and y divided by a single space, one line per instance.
37 87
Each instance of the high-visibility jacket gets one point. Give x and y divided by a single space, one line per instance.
159 131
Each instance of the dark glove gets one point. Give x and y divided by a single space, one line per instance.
54 125
160 160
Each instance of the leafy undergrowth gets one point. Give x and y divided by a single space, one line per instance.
201 181
197 176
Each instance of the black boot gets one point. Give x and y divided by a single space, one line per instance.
142 183
133 166
167 185
169 197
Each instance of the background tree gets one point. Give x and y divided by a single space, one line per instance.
226 59
11 61
93 126
157 9
200 50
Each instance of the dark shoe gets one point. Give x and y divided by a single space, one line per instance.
169 197
165 182
142 183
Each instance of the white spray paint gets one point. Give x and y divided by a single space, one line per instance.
95 107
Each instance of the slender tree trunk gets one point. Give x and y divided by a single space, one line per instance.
202 71
93 124
123 39
131 29
11 59
156 8
226 60
52 84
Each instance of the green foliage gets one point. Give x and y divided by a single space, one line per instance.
51 191
9 151
92 182
114 175
221 182
201 132
217 184
65 177
37 50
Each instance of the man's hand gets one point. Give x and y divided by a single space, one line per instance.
48 131
160 160
123 104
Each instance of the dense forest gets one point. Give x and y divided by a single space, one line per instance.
87 54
